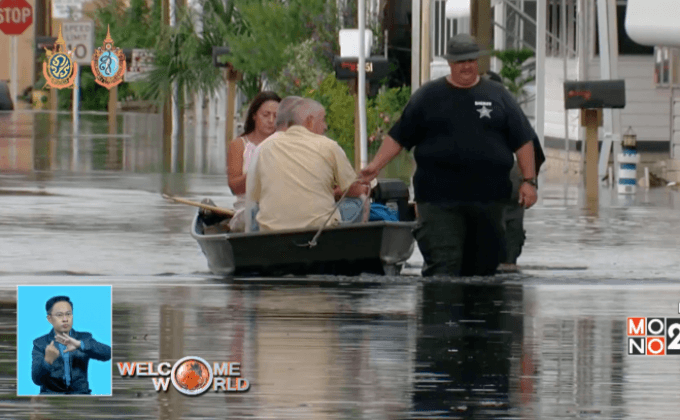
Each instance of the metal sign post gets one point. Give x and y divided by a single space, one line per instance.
14 75
355 45
76 119
608 41
79 38
361 85
347 68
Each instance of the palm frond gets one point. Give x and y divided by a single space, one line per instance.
182 56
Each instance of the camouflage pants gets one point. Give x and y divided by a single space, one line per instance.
462 239
513 222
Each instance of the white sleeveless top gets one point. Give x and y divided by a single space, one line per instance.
248 151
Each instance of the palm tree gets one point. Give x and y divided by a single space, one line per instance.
257 33
516 73
184 56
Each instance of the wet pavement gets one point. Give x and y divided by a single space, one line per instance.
548 342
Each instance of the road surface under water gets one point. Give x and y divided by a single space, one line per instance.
548 342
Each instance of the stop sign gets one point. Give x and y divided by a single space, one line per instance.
15 16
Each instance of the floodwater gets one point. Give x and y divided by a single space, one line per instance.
548 342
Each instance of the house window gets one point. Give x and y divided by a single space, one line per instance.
554 44
444 28
529 28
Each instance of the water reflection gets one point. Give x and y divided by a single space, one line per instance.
309 352
551 346
383 350
42 141
468 337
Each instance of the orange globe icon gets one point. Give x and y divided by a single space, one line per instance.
192 375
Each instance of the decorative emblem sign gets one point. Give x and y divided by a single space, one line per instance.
60 70
108 63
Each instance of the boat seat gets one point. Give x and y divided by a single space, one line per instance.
391 193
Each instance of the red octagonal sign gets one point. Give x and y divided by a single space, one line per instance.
15 16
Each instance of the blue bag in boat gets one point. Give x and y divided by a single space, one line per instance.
382 212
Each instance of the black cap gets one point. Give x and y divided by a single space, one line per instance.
462 47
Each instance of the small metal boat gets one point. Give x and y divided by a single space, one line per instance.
379 247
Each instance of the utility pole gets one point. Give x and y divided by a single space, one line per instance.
49 30
167 104
481 29
112 153
232 77
415 45
425 44
178 99
357 128
54 99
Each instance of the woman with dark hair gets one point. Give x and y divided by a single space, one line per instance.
260 124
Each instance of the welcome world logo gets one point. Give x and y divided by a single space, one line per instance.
190 375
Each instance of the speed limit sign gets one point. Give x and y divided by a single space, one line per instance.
79 38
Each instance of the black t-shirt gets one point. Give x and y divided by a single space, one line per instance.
464 140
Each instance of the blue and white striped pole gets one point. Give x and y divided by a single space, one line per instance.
628 160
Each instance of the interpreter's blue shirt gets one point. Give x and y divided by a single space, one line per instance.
67 359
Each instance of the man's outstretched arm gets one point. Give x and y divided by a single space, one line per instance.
389 149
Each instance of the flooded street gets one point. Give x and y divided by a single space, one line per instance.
548 342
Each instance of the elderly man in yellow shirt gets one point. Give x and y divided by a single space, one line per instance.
294 172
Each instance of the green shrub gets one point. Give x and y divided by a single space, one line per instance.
388 106
512 72
304 71
381 112
336 98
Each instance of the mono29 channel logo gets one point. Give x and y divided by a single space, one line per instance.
653 336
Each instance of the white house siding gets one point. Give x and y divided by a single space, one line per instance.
647 109
554 98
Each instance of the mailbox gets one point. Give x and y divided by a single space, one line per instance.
218 52
595 94
346 68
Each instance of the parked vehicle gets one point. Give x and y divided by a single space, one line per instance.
6 103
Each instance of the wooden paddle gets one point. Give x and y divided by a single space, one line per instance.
220 210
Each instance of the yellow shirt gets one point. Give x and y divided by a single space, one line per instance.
293 179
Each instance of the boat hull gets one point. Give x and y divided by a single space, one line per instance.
373 247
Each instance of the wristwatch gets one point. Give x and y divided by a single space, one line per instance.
531 181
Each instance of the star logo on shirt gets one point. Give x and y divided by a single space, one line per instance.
484 112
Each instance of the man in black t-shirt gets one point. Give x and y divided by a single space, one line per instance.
465 130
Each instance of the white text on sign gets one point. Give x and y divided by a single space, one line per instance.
14 15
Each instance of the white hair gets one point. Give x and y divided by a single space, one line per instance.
284 114
304 109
